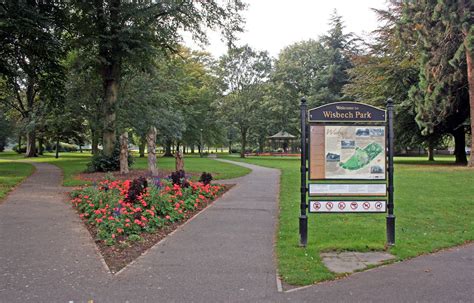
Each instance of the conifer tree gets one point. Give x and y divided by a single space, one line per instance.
443 32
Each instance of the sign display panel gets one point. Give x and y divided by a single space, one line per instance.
347 206
347 189
347 152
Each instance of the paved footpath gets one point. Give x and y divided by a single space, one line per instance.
225 254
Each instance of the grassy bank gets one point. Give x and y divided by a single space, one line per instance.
434 205
75 163
12 173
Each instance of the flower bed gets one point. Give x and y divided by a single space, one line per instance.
121 211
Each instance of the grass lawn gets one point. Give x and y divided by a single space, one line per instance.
12 173
434 206
74 163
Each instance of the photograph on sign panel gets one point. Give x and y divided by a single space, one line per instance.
354 152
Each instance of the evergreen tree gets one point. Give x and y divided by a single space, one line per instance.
442 94
339 48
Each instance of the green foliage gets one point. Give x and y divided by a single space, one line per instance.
243 72
103 163
30 60
19 150
5 130
121 33
441 96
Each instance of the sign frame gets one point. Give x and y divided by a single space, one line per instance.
372 116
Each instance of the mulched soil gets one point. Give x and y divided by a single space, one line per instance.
120 255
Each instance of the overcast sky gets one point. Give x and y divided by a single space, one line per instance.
273 24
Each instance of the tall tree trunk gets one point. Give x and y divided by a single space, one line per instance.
470 79
31 132
192 149
177 147
230 146
244 142
151 140
40 146
460 145
30 143
57 148
110 69
95 141
179 162
124 153
80 148
168 149
430 152
108 136
141 146
19 144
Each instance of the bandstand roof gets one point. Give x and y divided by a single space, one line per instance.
282 135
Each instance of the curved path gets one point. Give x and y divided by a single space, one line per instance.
225 254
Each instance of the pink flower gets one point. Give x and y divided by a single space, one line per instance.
168 217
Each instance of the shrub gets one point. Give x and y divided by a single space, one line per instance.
179 178
205 178
65 147
21 150
103 163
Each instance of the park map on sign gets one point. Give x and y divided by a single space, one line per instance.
354 152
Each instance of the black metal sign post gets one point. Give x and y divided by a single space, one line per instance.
390 216
303 206
350 142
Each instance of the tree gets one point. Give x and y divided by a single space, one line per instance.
243 70
121 32
83 95
339 48
388 69
5 130
30 55
315 69
442 93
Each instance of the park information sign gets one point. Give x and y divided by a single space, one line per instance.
350 159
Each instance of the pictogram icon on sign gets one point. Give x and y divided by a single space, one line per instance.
354 205
378 205
317 205
329 205
341 205
366 205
